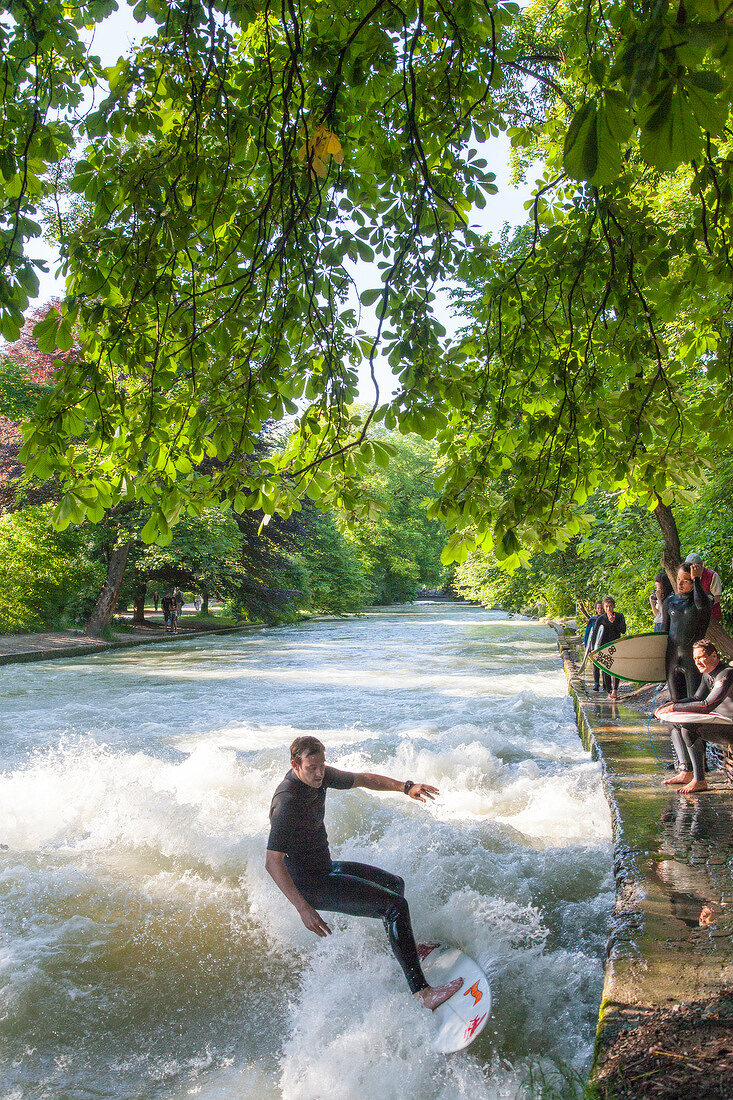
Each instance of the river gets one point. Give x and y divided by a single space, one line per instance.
145 953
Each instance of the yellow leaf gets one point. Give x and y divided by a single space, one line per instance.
333 146
321 145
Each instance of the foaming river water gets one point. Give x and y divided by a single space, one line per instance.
145 953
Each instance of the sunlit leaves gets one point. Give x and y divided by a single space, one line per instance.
596 137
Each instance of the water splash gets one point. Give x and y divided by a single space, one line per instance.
144 952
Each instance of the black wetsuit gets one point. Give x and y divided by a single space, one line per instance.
607 631
590 629
685 618
715 693
297 828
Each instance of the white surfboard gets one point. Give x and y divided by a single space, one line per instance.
688 717
635 657
464 1015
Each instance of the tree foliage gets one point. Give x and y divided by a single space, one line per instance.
398 546
245 158
44 575
249 155
600 339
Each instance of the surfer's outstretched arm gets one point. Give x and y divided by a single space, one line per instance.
421 792
275 867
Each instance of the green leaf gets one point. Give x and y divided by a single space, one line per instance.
150 531
594 142
580 152
704 94
670 133
369 297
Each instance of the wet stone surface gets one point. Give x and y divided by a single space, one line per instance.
671 944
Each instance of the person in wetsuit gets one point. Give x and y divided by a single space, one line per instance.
714 695
685 619
712 584
299 860
611 625
590 630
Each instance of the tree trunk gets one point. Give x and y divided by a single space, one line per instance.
672 553
204 603
584 608
672 559
107 601
138 607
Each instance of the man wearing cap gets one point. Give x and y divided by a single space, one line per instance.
711 583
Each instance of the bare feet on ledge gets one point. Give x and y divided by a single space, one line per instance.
695 785
432 996
679 779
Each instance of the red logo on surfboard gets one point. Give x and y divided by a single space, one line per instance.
475 992
474 1026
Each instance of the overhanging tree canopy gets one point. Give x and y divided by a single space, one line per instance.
249 154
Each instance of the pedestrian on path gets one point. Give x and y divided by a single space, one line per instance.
169 613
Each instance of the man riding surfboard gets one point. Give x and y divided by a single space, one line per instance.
299 860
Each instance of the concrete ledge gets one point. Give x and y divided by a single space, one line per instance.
671 936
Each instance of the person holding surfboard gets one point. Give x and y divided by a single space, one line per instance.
714 697
588 638
299 861
611 625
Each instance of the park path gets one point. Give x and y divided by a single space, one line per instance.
53 644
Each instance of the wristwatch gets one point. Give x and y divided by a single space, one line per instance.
408 785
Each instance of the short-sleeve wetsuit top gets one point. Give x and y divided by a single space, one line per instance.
714 694
296 822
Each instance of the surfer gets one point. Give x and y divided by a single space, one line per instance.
588 636
611 625
713 696
299 860
685 618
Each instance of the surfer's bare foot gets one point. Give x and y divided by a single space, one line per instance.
432 996
695 785
674 780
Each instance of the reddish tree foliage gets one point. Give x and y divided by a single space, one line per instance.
25 349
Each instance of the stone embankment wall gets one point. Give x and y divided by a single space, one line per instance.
671 939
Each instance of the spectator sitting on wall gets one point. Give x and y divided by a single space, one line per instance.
714 696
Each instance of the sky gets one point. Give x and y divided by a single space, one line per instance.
118 35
